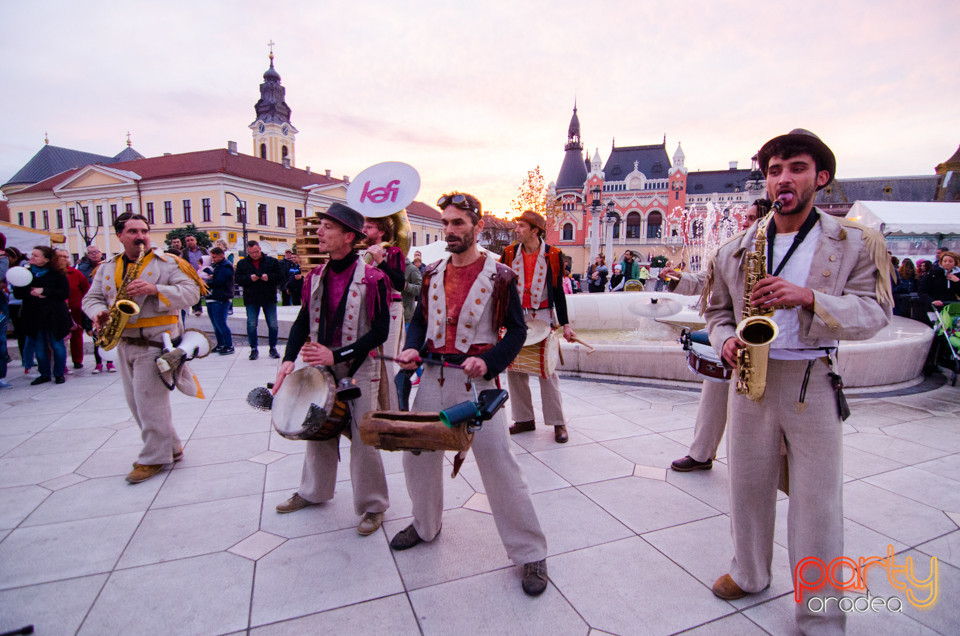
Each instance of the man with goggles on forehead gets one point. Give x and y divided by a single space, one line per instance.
465 300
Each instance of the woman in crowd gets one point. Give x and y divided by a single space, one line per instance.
941 284
45 316
905 292
15 258
597 275
618 279
4 313
78 288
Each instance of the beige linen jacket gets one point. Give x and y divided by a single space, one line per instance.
843 276
176 291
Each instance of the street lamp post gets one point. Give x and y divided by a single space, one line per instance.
82 222
595 223
611 220
242 217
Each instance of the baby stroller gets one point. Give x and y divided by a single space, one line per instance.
946 340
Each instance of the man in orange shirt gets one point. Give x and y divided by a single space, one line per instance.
539 270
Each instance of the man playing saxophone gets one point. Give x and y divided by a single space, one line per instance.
827 280
161 285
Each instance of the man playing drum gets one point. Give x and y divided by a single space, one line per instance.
539 270
465 300
712 413
345 311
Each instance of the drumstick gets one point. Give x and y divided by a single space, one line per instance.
438 363
579 341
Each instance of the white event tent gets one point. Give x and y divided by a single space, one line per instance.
907 217
913 229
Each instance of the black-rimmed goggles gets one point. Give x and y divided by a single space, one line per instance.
458 201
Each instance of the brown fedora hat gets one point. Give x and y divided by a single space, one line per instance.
800 136
533 219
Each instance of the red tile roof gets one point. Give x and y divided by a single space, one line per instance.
490 221
206 162
422 210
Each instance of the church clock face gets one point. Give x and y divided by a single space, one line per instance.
284 131
261 128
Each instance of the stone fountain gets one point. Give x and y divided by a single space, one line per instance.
630 346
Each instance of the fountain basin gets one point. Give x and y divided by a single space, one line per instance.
631 346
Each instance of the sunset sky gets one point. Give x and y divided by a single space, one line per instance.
475 94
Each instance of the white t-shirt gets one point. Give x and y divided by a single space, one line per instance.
787 345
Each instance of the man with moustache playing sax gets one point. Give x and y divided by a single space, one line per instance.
162 287
827 281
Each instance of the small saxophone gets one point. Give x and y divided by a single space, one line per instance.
756 329
122 311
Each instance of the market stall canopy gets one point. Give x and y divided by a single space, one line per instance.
907 217
24 238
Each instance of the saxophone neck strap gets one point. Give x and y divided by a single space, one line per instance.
808 224
123 262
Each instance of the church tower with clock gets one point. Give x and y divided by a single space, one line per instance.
274 136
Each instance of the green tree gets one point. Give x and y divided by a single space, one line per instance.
658 261
203 239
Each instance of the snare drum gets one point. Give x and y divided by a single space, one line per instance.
540 352
704 361
306 407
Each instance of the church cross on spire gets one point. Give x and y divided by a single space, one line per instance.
271 44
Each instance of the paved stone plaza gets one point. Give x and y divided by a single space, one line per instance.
634 548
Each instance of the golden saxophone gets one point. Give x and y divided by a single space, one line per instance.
123 309
756 329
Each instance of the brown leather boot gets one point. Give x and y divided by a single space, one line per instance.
560 434
143 472
523 427
727 589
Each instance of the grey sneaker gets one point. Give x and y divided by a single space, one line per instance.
370 523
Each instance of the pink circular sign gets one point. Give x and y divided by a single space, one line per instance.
383 189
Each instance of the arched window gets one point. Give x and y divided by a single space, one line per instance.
654 221
616 228
633 225
568 231
263 151
283 152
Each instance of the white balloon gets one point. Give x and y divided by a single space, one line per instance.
19 276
